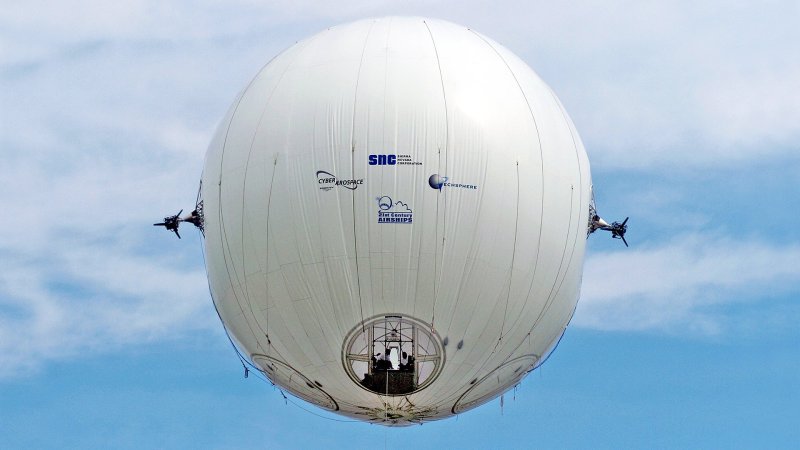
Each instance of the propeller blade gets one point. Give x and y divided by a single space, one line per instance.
162 224
179 235
625 221
623 239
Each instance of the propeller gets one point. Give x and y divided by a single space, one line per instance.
618 230
171 223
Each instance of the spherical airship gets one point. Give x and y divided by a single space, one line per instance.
395 217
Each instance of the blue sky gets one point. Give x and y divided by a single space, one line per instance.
689 112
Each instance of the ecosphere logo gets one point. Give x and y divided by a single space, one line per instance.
393 211
437 181
327 181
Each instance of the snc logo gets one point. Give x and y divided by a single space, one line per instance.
382 160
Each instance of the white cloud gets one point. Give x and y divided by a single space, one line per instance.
94 152
685 285
79 271
81 298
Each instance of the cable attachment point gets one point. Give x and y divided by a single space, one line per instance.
617 229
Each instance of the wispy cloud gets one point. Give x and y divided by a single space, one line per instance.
79 271
684 285
93 153
92 299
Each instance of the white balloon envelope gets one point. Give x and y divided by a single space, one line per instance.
396 214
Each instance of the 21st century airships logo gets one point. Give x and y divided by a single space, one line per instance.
393 211
437 181
327 181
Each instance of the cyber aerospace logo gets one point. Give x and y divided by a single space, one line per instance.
327 181
393 212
